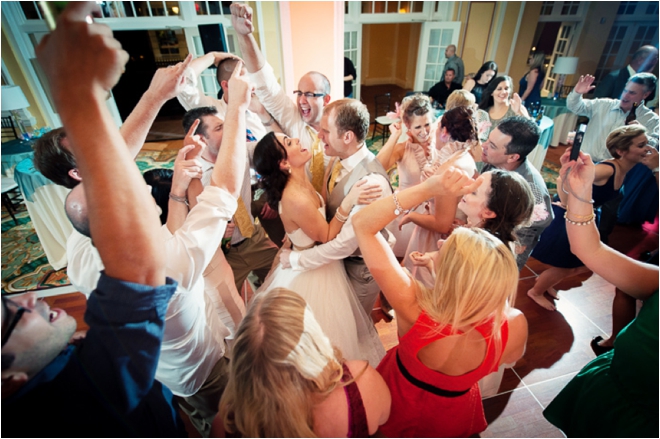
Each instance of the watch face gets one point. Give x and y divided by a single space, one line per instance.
397 212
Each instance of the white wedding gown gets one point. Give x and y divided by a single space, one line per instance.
333 302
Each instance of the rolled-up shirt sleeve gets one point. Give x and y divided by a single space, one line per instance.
190 95
192 246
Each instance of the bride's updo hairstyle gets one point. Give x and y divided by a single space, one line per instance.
282 366
268 154
460 124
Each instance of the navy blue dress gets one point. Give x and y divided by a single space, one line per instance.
554 248
535 94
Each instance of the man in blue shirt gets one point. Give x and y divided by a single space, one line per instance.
104 386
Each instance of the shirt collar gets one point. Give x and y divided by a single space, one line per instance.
631 70
349 163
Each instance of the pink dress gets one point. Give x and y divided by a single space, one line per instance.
410 172
424 240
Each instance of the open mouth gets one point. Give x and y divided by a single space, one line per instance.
305 112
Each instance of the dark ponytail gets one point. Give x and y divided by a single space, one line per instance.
268 154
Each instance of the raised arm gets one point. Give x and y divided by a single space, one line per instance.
574 101
393 280
392 151
633 277
83 62
165 85
231 161
241 20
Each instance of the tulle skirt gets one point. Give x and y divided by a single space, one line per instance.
329 294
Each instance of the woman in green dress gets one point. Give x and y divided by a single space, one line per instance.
615 395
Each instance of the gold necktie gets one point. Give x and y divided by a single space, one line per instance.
243 221
336 169
317 166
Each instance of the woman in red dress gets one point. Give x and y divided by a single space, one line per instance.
452 335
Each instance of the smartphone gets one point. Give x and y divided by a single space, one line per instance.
51 11
577 143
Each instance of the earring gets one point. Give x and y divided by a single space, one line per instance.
289 169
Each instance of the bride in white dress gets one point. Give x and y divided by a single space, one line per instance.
280 162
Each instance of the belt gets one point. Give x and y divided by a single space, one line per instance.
425 386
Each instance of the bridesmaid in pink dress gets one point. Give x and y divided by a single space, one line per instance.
411 156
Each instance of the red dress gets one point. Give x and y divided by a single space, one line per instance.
427 403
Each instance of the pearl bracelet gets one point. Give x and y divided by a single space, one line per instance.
579 223
341 218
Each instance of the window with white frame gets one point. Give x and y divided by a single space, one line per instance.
114 9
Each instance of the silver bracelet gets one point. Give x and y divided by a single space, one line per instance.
341 218
270 122
183 200
398 210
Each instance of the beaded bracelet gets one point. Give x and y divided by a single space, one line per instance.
341 218
398 209
579 223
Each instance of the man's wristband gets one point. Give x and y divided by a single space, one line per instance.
183 200
270 121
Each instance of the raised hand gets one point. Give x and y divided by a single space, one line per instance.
651 159
453 182
218 57
241 18
395 129
195 140
80 55
584 84
168 81
185 169
582 173
240 89
423 259
516 103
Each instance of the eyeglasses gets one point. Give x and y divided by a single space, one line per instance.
309 94
14 321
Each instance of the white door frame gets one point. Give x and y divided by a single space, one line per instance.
422 54
355 27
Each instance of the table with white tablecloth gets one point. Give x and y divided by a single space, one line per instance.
537 156
562 117
45 205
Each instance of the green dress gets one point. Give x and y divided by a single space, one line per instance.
615 395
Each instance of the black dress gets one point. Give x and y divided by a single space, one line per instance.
554 248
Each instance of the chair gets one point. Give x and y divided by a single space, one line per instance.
9 186
383 105
8 129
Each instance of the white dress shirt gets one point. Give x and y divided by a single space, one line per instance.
604 116
193 341
283 108
191 97
345 243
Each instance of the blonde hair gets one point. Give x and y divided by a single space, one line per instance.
477 279
415 105
621 138
460 98
282 366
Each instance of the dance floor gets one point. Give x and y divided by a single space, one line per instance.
558 344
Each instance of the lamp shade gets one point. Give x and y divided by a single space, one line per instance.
565 65
13 98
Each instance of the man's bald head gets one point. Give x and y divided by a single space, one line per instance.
75 207
450 51
644 59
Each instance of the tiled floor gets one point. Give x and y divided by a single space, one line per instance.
558 344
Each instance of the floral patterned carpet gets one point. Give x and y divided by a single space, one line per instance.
24 263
